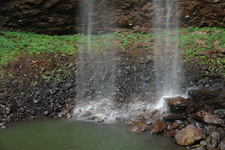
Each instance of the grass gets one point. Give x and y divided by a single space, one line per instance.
200 44
13 44
205 45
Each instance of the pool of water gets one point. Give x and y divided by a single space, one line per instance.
73 135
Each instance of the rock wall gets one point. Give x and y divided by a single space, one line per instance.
65 16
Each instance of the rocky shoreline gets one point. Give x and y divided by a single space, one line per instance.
197 122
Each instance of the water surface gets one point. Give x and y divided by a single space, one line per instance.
73 135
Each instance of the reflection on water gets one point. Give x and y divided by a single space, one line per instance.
68 135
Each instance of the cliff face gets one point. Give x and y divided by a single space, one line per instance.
65 16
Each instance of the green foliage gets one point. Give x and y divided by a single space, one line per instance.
15 43
195 43
203 45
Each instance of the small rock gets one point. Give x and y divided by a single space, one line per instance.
36 101
220 113
45 113
188 135
68 85
169 133
173 117
203 143
138 127
173 126
39 92
158 127
222 144
209 118
87 113
213 140
101 120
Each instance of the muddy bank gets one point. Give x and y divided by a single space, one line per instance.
65 17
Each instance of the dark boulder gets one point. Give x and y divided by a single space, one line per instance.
177 104
200 95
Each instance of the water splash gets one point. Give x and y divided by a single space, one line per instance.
107 111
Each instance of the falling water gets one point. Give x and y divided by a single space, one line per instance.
167 63
94 67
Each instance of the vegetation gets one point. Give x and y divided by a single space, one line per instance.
206 45
13 44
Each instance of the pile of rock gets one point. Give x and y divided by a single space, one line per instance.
197 122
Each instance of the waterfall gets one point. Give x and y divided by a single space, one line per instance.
95 85
167 62
96 68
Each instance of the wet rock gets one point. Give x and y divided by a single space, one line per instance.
101 120
200 95
189 135
197 147
216 103
192 108
173 117
2 126
169 133
173 126
138 127
203 143
213 140
220 113
209 118
222 144
177 104
196 123
86 113
45 113
158 127
36 101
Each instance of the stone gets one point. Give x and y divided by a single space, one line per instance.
169 133
222 144
173 126
192 108
188 135
220 113
86 113
209 118
213 140
173 117
45 113
138 127
197 147
158 127
177 104
200 95
203 143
